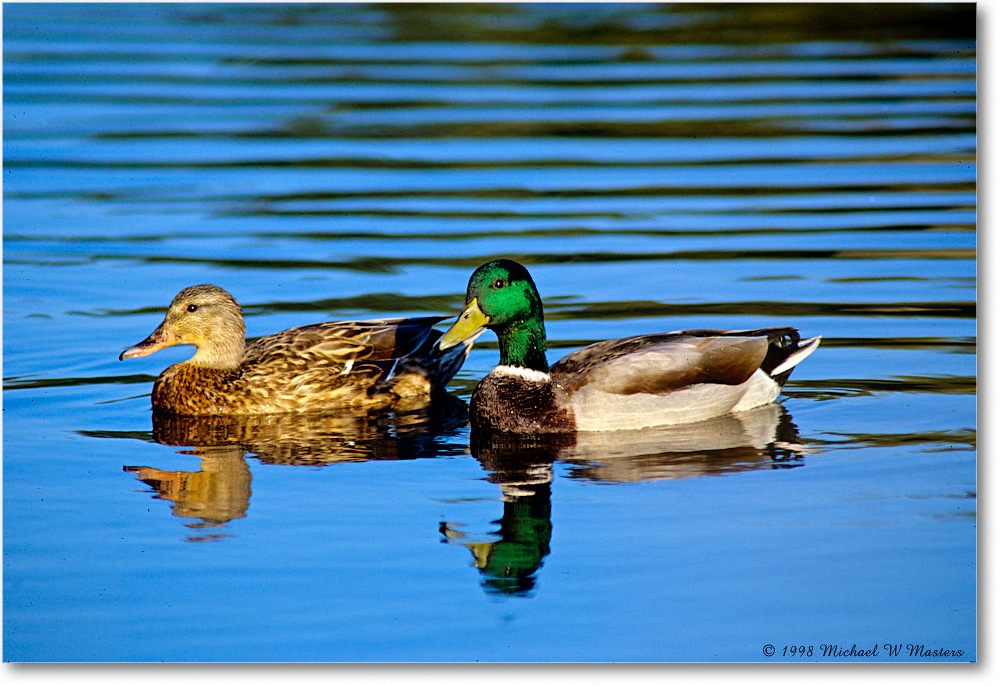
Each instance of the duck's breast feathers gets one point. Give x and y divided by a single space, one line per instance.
519 400
661 363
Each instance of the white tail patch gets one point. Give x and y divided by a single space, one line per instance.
808 346
532 375
760 390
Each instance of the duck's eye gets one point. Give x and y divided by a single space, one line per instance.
499 283
192 308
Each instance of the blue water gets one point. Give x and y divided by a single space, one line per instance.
655 167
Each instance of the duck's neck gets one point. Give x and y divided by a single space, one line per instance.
223 354
523 345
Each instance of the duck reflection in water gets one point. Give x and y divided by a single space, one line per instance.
509 559
522 466
220 490
761 438
216 494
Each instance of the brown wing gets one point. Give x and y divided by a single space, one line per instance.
330 363
660 363
333 343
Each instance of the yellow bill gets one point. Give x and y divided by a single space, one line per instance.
470 323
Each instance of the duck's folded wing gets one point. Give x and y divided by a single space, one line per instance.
661 363
377 340
393 339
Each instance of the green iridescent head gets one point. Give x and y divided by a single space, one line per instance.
502 297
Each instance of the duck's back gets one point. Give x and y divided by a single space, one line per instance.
660 363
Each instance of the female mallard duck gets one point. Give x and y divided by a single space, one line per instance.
365 364
629 383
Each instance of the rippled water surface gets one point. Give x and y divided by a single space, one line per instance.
656 167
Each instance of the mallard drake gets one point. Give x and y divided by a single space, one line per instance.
629 383
364 364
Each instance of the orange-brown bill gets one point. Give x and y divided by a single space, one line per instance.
158 340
